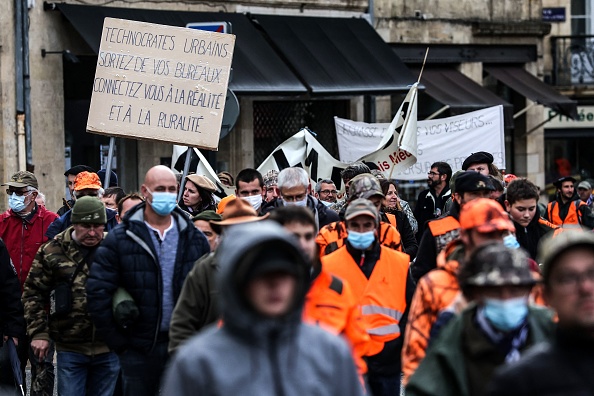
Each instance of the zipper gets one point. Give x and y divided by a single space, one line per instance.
144 245
273 357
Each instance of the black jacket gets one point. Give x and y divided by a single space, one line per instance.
426 259
427 203
127 259
561 368
12 319
322 214
528 237
409 242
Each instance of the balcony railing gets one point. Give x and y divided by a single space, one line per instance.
573 60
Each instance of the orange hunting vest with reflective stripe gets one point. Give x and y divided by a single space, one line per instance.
573 217
382 297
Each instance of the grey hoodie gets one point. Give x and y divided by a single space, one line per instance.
253 355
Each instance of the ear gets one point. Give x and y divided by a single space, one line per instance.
507 206
458 198
144 191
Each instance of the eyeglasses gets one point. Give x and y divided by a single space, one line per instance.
294 198
326 192
18 193
433 173
571 281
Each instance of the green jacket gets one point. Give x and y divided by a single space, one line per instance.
443 371
54 263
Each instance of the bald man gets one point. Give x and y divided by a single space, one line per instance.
149 254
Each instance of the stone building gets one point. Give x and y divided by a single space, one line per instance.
474 39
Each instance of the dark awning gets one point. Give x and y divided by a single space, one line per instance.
452 88
526 84
257 68
337 55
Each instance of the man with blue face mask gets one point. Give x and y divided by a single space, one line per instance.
380 280
149 254
492 332
294 189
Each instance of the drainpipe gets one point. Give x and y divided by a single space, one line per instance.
23 85
369 109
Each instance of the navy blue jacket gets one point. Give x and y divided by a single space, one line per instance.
64 221
127 259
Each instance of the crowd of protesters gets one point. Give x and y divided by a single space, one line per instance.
290 287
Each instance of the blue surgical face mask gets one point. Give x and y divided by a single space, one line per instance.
16 203
361 240
326 203
301 203
163 203
506 315
510 241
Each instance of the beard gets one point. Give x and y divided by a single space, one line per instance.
432 183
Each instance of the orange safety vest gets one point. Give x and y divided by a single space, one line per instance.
573 216
331 304
444 230
332 236
382 297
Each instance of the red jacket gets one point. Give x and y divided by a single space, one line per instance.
23 238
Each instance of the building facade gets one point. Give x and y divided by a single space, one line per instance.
460 33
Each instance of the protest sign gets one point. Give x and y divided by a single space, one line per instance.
162 83
450 139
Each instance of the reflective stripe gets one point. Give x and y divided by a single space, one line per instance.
375 309
385 330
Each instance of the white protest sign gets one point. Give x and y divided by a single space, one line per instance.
449 139
162 83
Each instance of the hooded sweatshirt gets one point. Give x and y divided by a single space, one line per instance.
256 355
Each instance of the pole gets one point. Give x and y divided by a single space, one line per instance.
27 83
186 170
109 161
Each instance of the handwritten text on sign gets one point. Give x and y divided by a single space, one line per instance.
161 83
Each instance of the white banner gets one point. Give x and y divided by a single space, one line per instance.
449 139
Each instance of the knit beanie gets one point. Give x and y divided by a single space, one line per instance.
88 210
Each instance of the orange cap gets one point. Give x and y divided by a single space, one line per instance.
224 202
87 180
485 215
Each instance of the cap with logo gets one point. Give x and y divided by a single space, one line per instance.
472 181
22 179
485 215
88 210
87 180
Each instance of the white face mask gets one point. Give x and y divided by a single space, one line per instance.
254 200
327 204
301 203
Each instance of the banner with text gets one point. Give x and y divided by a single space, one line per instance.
449 139
158 82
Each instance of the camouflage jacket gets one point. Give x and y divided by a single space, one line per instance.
55 262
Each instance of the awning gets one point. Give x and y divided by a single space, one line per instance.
526 84
337 55
452 88
257 68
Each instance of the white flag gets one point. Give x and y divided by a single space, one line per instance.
398 148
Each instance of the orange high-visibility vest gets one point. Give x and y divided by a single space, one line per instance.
444 230
332 236
382 297
331 304
573 216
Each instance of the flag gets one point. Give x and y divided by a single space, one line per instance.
397 150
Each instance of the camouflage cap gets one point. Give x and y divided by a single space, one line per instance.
551 247
359 207
270 178
22 179
365 186
494 264
485 215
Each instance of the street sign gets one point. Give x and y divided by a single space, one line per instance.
219 27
